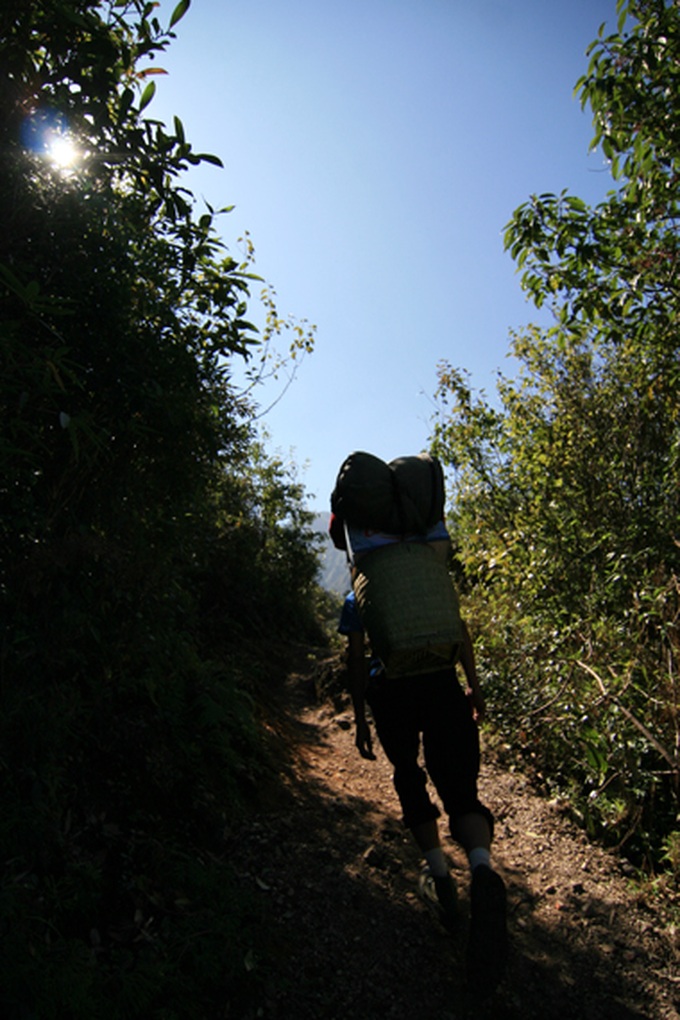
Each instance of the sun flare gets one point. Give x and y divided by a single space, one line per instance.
63 151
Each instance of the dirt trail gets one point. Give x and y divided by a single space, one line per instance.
337 876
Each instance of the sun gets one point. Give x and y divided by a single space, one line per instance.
46 133
63 151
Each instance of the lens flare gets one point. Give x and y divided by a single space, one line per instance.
62 151
46 134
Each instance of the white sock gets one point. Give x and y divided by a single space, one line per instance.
480 855
437 862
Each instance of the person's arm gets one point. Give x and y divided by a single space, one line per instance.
474 691
357 676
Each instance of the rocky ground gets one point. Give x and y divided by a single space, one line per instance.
337 877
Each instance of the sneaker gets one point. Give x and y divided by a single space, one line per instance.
441 896
488 945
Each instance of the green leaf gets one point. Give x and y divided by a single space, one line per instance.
622 17
206 157
125 103
147 95
179 12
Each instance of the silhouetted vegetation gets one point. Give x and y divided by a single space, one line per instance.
156 565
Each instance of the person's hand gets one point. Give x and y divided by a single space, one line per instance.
364 740
477 703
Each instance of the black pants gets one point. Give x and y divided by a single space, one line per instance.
432 706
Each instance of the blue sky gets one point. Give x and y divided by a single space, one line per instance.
374 151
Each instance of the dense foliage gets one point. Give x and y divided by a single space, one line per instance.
152 554
567 490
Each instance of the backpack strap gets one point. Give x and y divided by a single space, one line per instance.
348 545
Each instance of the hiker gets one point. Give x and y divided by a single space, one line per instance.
413 698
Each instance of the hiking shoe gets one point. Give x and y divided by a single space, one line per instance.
488 945
441 896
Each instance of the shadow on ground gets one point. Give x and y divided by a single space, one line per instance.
348 937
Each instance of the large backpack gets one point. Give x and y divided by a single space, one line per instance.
405 496
405 595
409 608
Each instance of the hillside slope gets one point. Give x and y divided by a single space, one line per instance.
333 574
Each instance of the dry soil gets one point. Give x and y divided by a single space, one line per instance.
337 878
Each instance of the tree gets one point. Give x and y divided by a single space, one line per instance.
567 497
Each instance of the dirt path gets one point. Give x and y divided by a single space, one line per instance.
337 877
